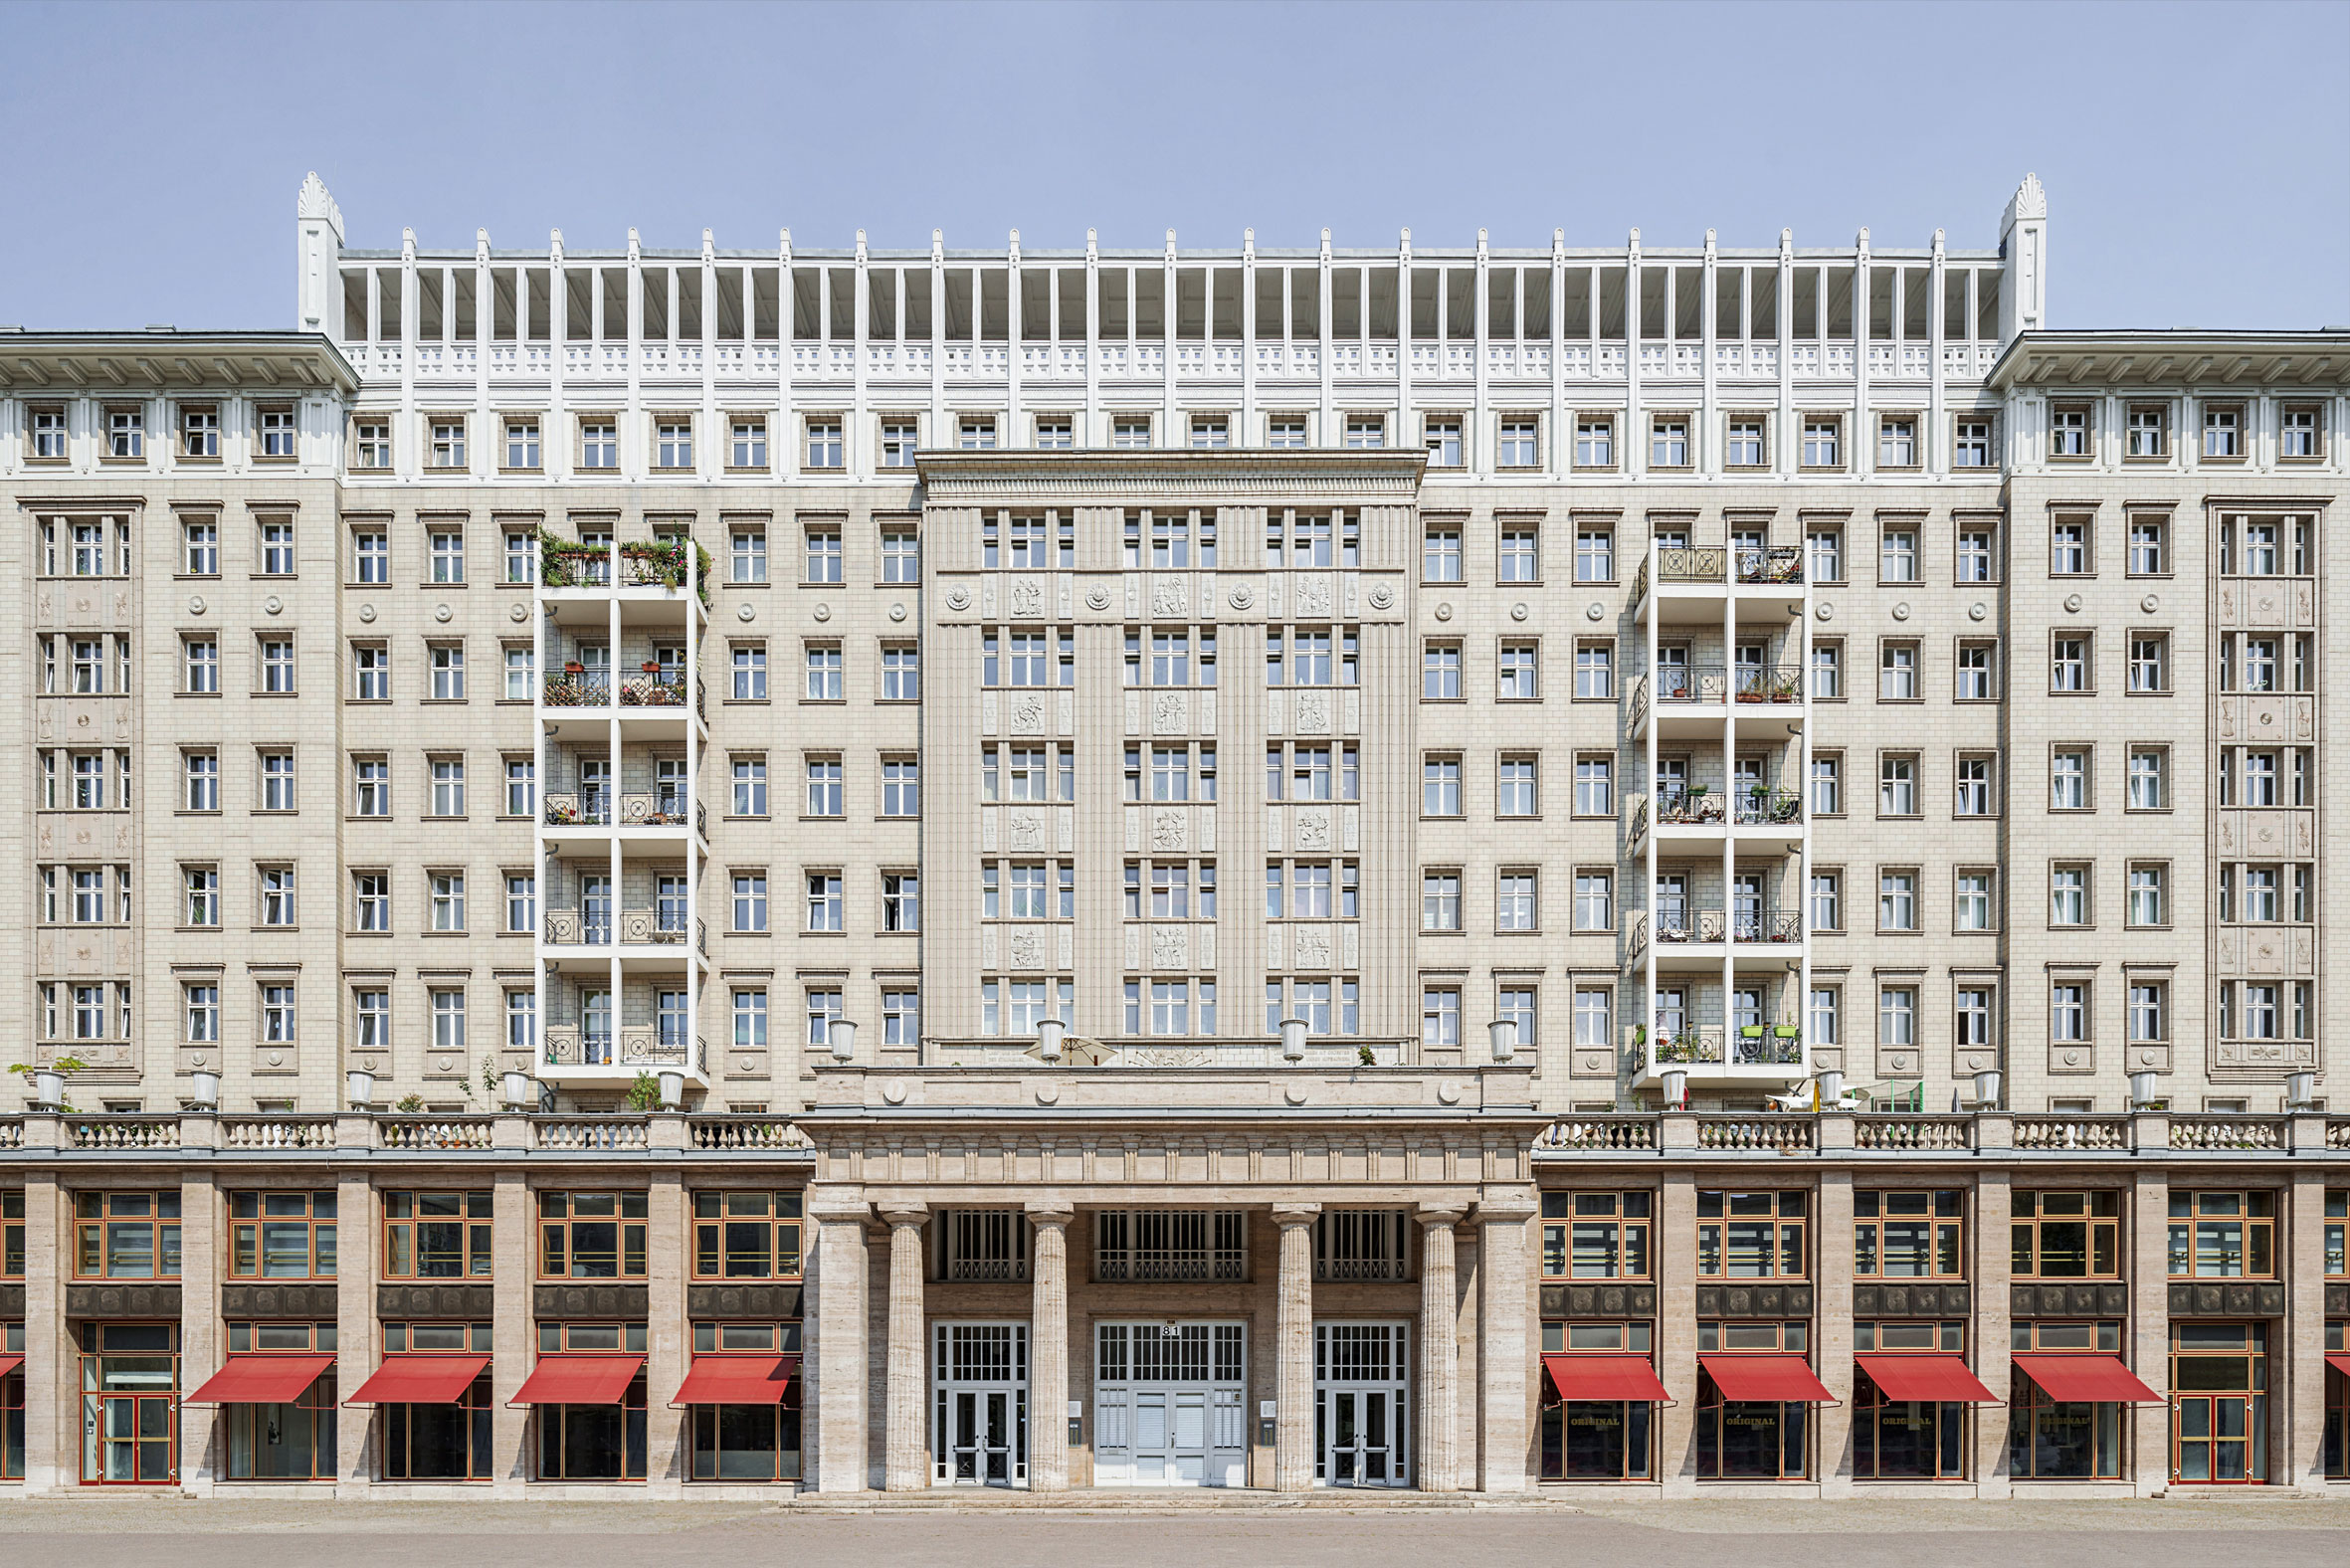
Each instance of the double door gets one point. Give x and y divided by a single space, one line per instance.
1361 1418
1168 1405
979 1405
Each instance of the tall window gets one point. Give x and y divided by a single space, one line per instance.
1595 555
1440 556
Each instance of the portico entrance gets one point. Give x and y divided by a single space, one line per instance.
1168 1404
1360 1431
979 1405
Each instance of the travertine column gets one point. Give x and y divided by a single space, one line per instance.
52 1402
1506 1303
1292 1332
1675 1243
838 1387
905 1460
1439 1352
1048 1351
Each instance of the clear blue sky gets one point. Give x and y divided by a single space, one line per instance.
2197 157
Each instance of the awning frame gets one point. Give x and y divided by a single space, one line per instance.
1544 1358
1861 1360
320 1364
1778 1356
357 1403
773 1358
2024 1361
634 1357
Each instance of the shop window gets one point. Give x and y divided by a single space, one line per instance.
441 1441
131 1399
2066 1236
1750 1440
1596 1439
595 1441
290 1441
12 1402
757 1442
2219 1402
2053 1439
1908 1439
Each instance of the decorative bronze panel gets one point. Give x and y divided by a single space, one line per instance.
2227 1298
625 1302
1754 1301
123 1301
469 1302
2087 1298
2337 1300
1599 1301
1909 1300
278 1300
747 1301
12 1301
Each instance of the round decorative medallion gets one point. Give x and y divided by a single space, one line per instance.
1901 1064
2072 603
1449 1091
196 605
367 613
745 1065
1595 611
894 1092
1295 1094
1901 611
746 611
277 1059
2072 1058
1047 1093
1519 611
958 598
517 611
1825 612
198 1060
1978 610
823 612
2151 603
1099 598
442 612
447 1065
273 603
1380 597
898 612
2146 1059
1444 611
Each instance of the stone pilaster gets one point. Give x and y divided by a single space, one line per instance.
1439 1352
1832 1331
2147 1335
1292 1466
357 1234
201 1352
2297 1360
836 1363
512 1333
53 1421
1508 1304
905 1460
1990 1269
668 1240
1048 1353
1675 1243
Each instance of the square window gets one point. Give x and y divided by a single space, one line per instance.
823 443
1594 443
278 433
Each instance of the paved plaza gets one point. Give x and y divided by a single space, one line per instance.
1146 1533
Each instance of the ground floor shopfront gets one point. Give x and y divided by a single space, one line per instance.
1435 1292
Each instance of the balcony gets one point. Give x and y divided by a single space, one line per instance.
1324 1052
658 564
1745 1056
637 809
1694 583
575 1056
650 693
640 928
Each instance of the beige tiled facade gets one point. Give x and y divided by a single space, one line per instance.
1780 732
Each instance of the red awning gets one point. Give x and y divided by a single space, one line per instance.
736 1380
2087 1380
578 1380
1933 1380
1766 1377
1605 1377
2340 1364
410 1379
260 1380
9 1364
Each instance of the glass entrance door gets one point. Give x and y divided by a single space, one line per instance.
130 1404
1360 1427
1168 1405
979 1405
2220 1403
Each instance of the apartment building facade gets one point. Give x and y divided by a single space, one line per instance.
695 871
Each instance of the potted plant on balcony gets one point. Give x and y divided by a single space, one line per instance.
645 1092
49 1083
